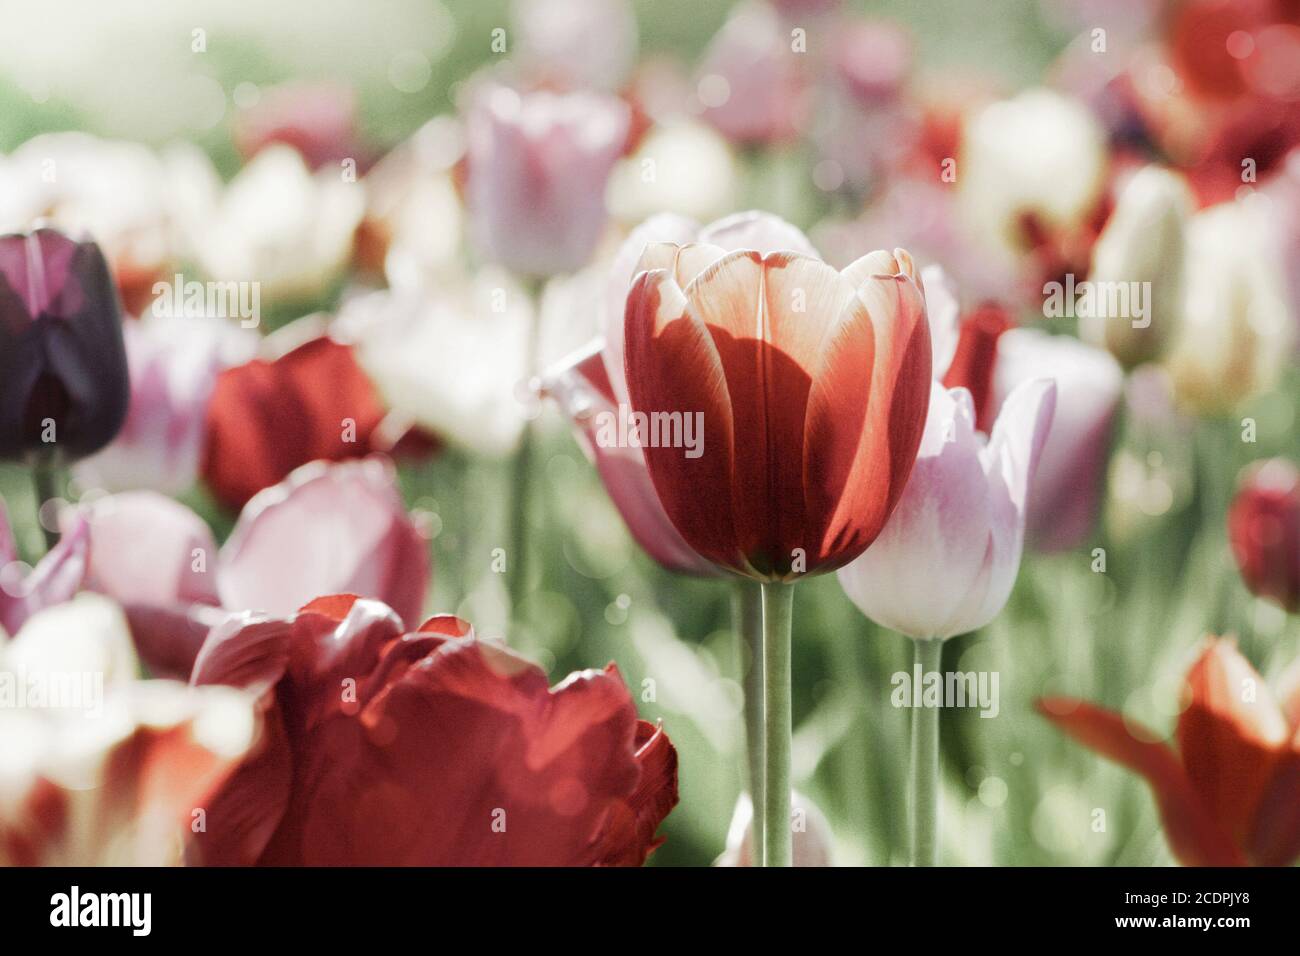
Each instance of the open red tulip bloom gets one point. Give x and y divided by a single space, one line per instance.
812 385
428 748
1230 794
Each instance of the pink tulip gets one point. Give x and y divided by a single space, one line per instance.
538 163
55 579
948 556
751 83
1065 496
327 528
174 362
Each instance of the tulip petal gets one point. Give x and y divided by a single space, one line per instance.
584 392
328 528
873 475
1194 836
1230 735
673 365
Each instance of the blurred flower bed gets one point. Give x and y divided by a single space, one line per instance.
378 277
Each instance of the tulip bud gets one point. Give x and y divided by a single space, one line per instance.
1236 332
538 163
1143 242
64 386
961 519
1264 528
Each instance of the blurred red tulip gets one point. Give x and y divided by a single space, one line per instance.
810 387
427 748
268 417
1230 795
1264 528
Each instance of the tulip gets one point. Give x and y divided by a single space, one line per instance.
961 519
975 357
174 363
327 527
538 163
440 749
1229 794
55 579
268 416
1065 495
471 402
279 225
1030 166
1264 530
102 769
812 836
1144 241
63 375
750 82
1236 333
808 388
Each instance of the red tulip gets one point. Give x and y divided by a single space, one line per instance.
975 358
1264 529
268 417
811 386
1230 793
427 748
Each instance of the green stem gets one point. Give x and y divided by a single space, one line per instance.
778 606
522 476
747 614
925 762
44 480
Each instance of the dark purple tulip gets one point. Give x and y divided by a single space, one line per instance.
63 373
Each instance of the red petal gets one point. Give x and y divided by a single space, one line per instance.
673 365
267 418
1230 736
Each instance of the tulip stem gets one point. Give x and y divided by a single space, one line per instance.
778 606
44 473
925 762
521 479
747 614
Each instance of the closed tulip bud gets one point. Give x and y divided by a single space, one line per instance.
961 519
1236 333
1264 528
538 163
64 386
1144 241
